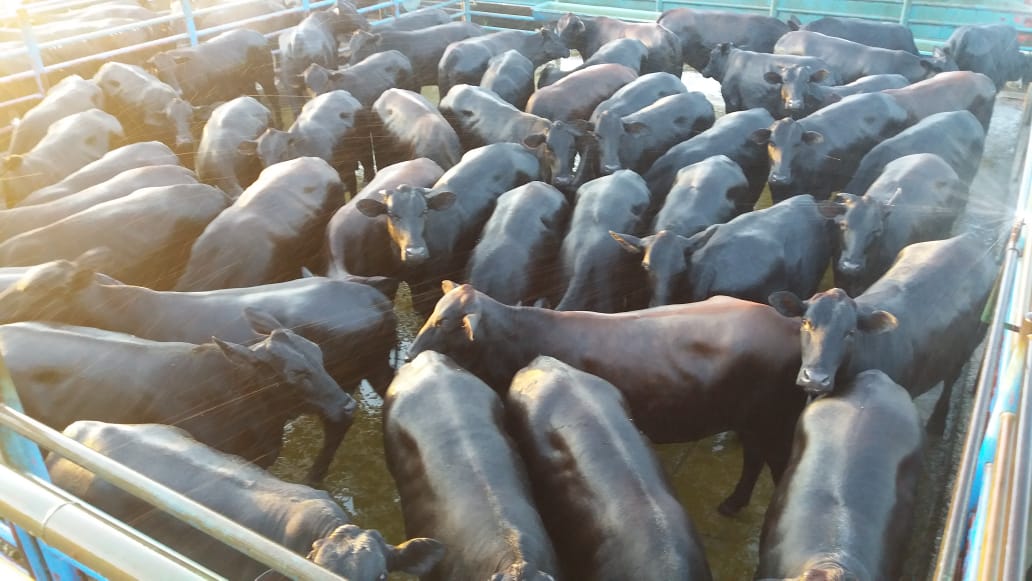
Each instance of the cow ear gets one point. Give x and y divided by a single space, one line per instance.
448 286
95 258
875 322
698 240
787 303
440 200
812 137
635 127
760 136
773 78
235 352
248 147
415 557
262 322
830 209
12 162
535 140
581 127
371 208
845 198
631 244
469 324
724 47
820 76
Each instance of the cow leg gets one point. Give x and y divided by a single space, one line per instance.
937 421
381 377
267 82
752 466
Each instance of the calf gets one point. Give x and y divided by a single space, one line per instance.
576 95
69 96
269 232
588 35
820 96
819 154
889 35
775 82
951 91
146 107
109 165
711 191
701 30
629 52
365 80
956 137
635 141
466 60
25 218
852 60
845 506
916 198
687 371
595 274
918 323
990 49
220 69
70 144
223 156
424 48
638 94
729 136
353 322
164 221
306 521
511 76
459 476
602 493
787 247
228 396
408 127
514 260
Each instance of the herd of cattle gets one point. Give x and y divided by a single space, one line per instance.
138 292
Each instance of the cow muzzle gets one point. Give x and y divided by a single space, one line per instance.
609 169
814 382
847 266
779 179
415 254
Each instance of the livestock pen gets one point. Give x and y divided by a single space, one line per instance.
983 535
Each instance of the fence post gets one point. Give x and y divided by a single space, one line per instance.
191 26
904 15
466 11
33 47
773 11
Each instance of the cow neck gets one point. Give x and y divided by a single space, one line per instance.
131 309
534 331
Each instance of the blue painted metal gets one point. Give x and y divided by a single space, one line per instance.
191 25
33 49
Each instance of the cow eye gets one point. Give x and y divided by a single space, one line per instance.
807 325
842 225
850 332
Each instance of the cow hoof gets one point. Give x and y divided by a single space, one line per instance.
729 508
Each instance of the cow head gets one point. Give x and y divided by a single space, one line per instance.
51 291
454 326
522 571
318 79
348 19
717 65
939 62
795 83
164 66
666 257
272 147
406 208
861 220
557 148
176 120
295 366
364 555
545 46
830 321
611 130
572 31
362 45
785 140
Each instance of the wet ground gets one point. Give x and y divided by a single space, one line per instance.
701 472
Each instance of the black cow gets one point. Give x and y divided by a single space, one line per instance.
306 521
629 52
956 137
71 144
820 96
711 191
888 35
776 82
597 481
514 260
638 94
228 396
71 95
148 232
269 232
410 127
916 198
108 166
852 60
424 48
220 69
556 147
990 49
466 61
951 91
702 30
365 80
845 506
460 478
224 156
352 322
576 95
635 141
687 371
786 247
819 154
511 76
595 274
415 20
22 219
918 323
588 35
729 136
